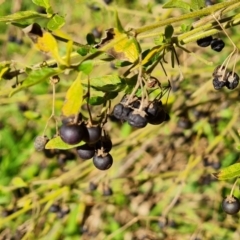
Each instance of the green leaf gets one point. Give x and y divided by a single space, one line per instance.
57 143
22 15
55 22
86 67
74 98
177 4
90 39
107 83
97 100
31 115
238 147
197 4
42 3
36 77
232 171
118 23
18 182
169 31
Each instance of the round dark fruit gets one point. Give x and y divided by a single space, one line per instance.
158 119
136 119
108 1
217 44
97 33
72 133
104 143
184 123
103 161
93 134
217 84
204 42
85 151
107 191
92 186
232 80
54 208
231 205
117 111
153 109
40 142
167 117
125 113
49 153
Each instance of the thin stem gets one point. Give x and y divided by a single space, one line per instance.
195 14
233 187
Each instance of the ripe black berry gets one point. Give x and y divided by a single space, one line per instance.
40 142
117 111
107 191
232 80
217 44
103 161
54 208
159 118
137 119
72 133
231 205
93 134
85 151
217 84
104 143
204 42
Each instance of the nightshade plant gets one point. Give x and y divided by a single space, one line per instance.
82 124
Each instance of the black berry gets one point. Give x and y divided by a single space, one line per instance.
93 134
204 42
72 133
137 119
54 208
104 143
232 80
217 44
217 84
231 205
117 111
103 161
85 151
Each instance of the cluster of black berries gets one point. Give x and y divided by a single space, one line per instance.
224 78
61 211
217 44
231 205
97 146
139 113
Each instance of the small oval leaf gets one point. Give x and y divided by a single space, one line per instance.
57 143
232 171
74 98
86 67
55 22
22 15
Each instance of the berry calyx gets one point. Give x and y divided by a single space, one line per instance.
217 44
72 133
85 151
102 161
204 42
105 144
231 205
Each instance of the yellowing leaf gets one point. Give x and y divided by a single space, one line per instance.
44 41
74 98
127 48
232 171
57 143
